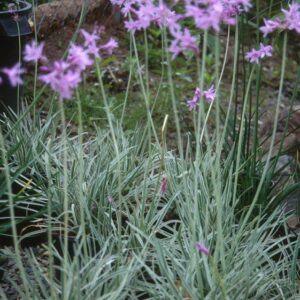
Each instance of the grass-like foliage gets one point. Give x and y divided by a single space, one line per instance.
186 204
153 255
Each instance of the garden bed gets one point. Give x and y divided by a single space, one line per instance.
155 177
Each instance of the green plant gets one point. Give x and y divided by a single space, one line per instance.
157 235
126 209
24 144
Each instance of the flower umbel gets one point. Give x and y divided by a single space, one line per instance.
270 26
62 79
206 14
254 56
290 20
194 101
79 57
110 46
34 52
63 76
14 74
209 96
183 41
292 17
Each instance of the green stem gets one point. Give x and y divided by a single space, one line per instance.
146 96
173 97
233 83
128 84
12 214
112 130
35 68
201 74
241 133
66 199
81 177
270 153
49 211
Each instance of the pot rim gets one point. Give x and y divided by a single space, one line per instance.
25 9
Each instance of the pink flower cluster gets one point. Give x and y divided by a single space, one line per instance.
291 21
205 13
209 96
254 56
212 13
13 74
63 76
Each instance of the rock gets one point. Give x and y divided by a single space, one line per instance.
291 139
50 16
288 121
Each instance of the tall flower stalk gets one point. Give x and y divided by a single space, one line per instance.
271 148
112 131
12 214
65 202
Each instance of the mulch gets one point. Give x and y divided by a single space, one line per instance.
11 282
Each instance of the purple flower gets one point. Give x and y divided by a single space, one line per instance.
144 13
202 248
254 56
79 57
90 41
34 52
205 13
290 21
194 101
212 13
183 41
110 46
239 5
62 79
265 50
118 2
126 8
270 26
206 17
168 18
209 96
90 38
14 74
292 17
132 25
163 185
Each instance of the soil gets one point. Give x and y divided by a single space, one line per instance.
56 26
12 272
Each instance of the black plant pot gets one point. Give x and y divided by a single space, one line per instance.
14 28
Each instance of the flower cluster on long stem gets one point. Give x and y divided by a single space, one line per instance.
63 76
205 15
